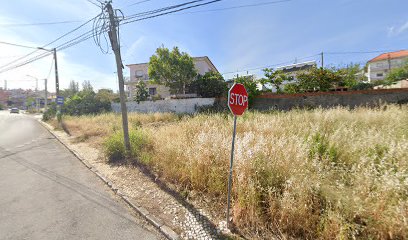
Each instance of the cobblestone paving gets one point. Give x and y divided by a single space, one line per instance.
188 222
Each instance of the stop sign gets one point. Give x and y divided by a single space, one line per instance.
237 99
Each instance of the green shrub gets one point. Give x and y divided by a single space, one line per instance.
115 151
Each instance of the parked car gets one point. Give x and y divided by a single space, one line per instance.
14 110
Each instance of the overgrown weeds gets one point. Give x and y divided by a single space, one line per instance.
317 174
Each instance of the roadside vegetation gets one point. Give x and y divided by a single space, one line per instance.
310 174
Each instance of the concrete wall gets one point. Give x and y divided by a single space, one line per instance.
174 105
330 99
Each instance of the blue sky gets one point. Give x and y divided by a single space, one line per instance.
236 40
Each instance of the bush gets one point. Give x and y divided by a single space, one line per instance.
114 147
50 113
210 85
362 86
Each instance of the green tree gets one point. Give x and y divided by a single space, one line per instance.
318 80
174 69
397 74
251 85
276 78
86 102
106 95
351 75
141 92
291 88
73 88
87 86
209 85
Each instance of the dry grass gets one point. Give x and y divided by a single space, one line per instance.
96 128
319 174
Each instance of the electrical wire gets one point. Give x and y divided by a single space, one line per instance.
57 39
169 12
35 24
271 65
360 52
136 3
49 72
17 45
93 3
237 7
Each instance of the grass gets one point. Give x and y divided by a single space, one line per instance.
318 174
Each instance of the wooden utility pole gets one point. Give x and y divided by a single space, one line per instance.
115 47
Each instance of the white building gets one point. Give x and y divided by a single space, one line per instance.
294 69
139 72
378 67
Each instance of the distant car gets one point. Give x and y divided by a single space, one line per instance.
14 110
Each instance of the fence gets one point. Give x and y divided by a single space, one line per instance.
189 105
330 99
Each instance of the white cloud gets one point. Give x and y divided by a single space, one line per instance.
397 30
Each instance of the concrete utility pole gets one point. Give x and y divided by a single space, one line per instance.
56 72
54 51
45 95
115 47
322 59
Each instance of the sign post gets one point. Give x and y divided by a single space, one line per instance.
60 100
237 103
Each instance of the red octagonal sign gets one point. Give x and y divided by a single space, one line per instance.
237 99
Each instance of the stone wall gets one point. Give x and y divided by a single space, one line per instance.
173 105
330 99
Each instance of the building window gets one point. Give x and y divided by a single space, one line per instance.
152 91
380 74
139 73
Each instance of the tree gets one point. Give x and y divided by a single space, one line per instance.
397 74
86 86
276 78
72 89
141 92
174 69
106 95
86 102
209 85
350 75
318 80
251 85
291 88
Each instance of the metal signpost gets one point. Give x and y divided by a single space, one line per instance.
237 103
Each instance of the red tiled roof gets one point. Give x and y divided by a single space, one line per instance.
390 55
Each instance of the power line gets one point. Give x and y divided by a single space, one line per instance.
138 3
161 9
35 24
62 36
16 45
269 66
93 3
169 12
240 6
91 34
360 52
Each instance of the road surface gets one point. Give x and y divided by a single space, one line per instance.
46 193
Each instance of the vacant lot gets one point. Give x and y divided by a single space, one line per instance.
323 174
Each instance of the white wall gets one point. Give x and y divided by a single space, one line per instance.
174 105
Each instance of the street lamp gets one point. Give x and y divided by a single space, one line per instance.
45 90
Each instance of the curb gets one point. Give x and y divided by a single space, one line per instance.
155 221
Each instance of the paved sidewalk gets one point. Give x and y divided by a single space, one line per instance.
150 198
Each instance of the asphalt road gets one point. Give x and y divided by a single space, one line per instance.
46 193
